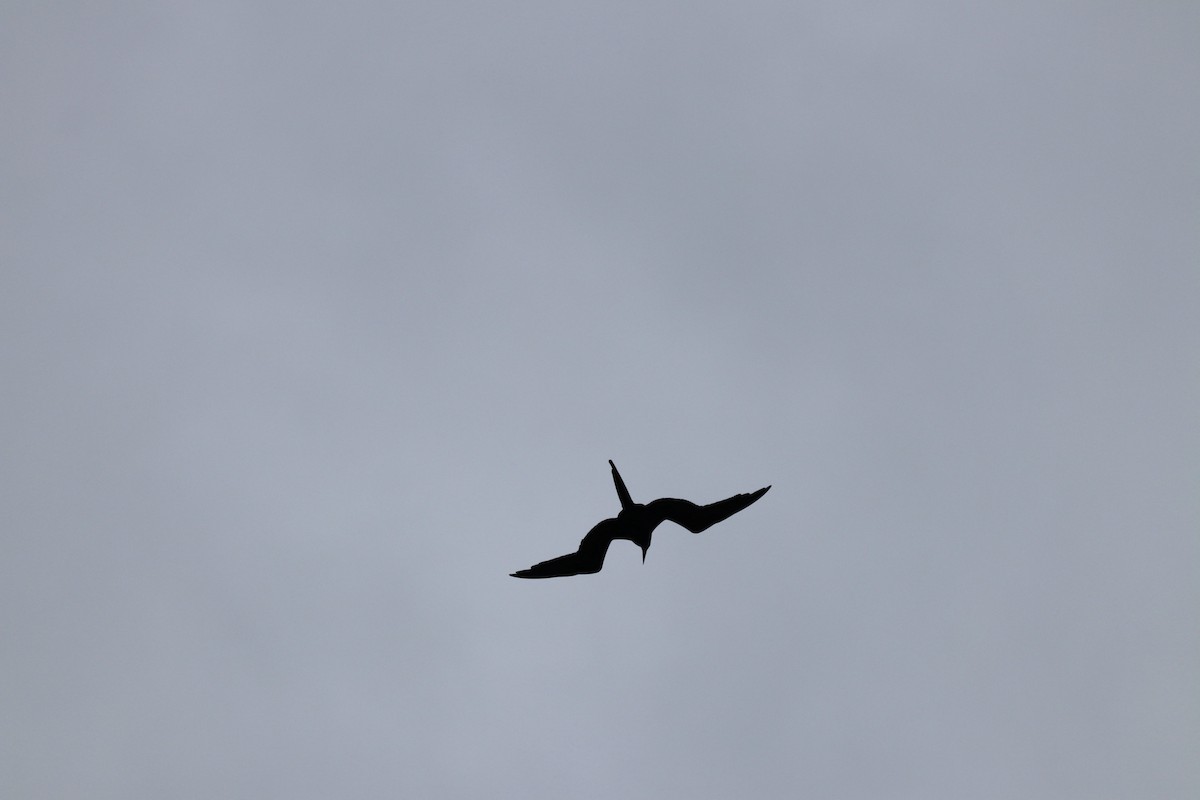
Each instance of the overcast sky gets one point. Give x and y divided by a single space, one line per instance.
319 319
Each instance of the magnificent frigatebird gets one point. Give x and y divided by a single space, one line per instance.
637 522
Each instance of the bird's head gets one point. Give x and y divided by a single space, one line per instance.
643 542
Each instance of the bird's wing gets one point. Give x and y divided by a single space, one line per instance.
697 518
577 563
587 559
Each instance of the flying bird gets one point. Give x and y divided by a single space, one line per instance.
637 522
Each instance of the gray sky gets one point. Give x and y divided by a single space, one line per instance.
318 319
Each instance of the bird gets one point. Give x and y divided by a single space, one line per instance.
636 522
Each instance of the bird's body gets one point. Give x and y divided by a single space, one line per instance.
637 522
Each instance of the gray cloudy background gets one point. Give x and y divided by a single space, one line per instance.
318 319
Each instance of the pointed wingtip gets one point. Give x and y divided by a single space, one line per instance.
614 466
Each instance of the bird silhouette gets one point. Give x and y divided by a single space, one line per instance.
637 522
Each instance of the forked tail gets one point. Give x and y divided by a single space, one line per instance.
622 492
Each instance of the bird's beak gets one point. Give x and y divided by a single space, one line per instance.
644 549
